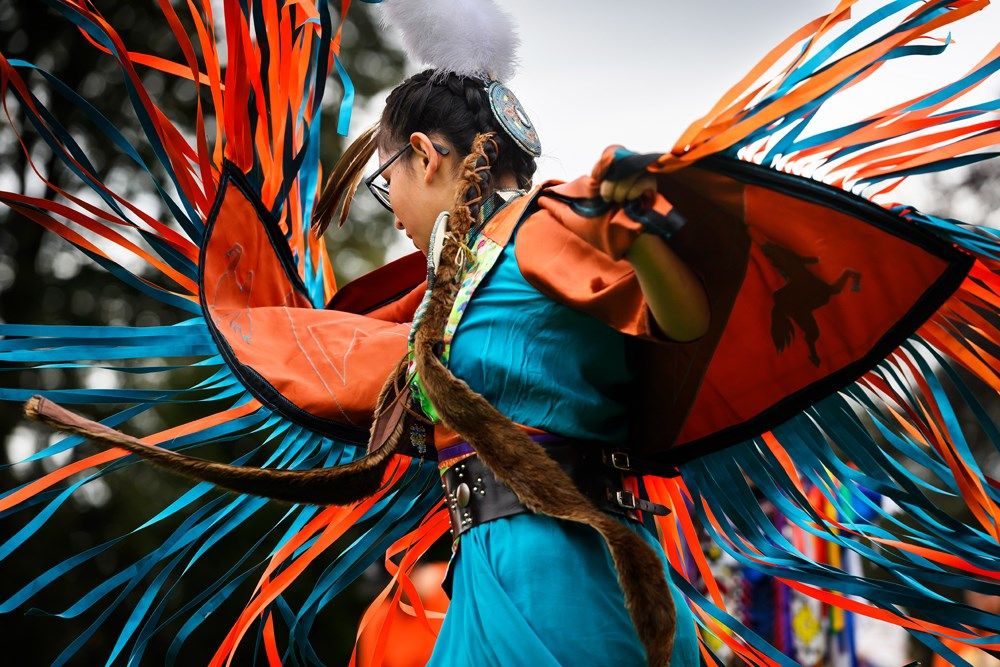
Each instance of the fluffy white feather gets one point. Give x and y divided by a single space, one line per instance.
470 37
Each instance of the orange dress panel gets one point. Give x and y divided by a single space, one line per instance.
329 363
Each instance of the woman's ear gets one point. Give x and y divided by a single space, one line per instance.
423 150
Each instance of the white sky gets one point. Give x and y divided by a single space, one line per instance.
590 77
637 75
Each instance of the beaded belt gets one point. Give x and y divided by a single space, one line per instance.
474 495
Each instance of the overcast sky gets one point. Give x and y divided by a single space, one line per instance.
637 72
591 76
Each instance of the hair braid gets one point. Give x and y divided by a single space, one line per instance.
475 100
491 153
509 156
472 189
516 460
474 184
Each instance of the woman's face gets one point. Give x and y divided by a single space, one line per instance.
421 184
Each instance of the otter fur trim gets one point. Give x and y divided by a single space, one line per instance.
467 37
521 463
339 485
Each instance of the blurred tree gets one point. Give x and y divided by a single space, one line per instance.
972 195
45 281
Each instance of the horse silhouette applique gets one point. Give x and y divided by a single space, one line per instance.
233 288
802 293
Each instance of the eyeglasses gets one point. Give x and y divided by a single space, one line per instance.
380 190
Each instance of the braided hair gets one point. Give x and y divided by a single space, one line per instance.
539 483
456 107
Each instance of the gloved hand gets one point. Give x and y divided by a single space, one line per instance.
615 203
622 175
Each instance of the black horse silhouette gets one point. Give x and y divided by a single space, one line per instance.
801 294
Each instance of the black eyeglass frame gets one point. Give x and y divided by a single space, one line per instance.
379 191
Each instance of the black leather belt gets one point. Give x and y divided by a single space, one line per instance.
474 495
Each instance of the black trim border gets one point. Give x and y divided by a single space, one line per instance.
253 381
959 262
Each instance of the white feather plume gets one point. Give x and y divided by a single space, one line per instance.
469 37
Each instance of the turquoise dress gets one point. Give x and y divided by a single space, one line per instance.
529 589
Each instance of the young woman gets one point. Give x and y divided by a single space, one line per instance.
561 366
529 588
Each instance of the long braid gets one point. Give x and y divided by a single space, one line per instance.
471 90
474 185
517 460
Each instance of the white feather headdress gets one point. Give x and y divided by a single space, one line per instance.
468 37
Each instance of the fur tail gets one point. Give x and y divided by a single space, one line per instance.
340 485
515 458
539 482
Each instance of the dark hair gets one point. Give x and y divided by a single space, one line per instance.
454 106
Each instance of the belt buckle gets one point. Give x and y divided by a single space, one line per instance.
626 499
621 461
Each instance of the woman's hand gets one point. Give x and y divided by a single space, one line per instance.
674 295
629 188
623 176
676 299
608 228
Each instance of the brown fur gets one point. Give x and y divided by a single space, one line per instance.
514 457
339 485
524 465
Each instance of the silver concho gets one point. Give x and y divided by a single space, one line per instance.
513 119
464 495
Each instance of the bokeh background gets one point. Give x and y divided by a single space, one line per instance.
592 73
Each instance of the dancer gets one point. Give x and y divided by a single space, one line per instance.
547 366
795 381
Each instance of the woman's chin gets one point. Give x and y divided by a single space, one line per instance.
415 244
